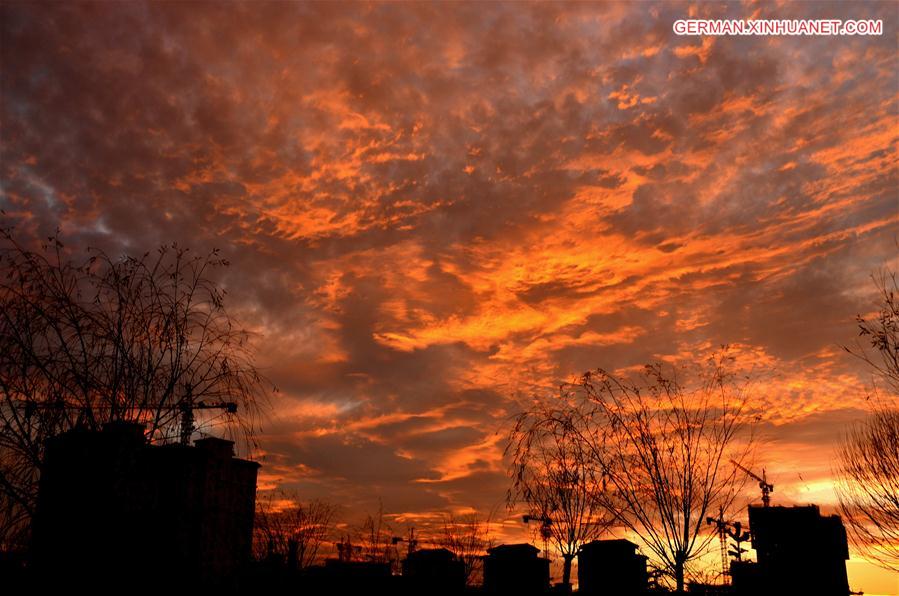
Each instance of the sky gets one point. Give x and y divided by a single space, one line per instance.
435 210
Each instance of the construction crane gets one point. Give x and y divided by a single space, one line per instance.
767 488
187 407
411 542
187 412
721 529
545 528
727 529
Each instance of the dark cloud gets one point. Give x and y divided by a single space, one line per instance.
429 210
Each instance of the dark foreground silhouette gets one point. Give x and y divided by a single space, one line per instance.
114 512
116 516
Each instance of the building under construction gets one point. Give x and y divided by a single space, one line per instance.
114 511
799 551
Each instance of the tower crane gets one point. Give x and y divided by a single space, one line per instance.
721 529
187 407
187 412
545 528
767 488
411 541
733 530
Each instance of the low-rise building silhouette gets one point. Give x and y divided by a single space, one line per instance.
112 509
799 551
515 569
433 571
611 568
349 577
703 589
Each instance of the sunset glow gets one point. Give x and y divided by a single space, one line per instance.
435 211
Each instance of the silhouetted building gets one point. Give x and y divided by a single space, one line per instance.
611 568
515 569
113 509
349 577
14 573
700 589
799 551
433 571
745 578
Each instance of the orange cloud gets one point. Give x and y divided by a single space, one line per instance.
433 214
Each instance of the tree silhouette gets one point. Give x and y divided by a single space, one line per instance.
882 334
375 540
103 339
290 530
553 474
659 450
869 486
868 469
467 537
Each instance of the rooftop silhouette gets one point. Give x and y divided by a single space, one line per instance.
112 508
611 567
799 551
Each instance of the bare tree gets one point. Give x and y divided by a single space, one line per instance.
87 342
868 467
659 449
882 334
665 449
375 539
554 474
467 537
291 530
869 486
